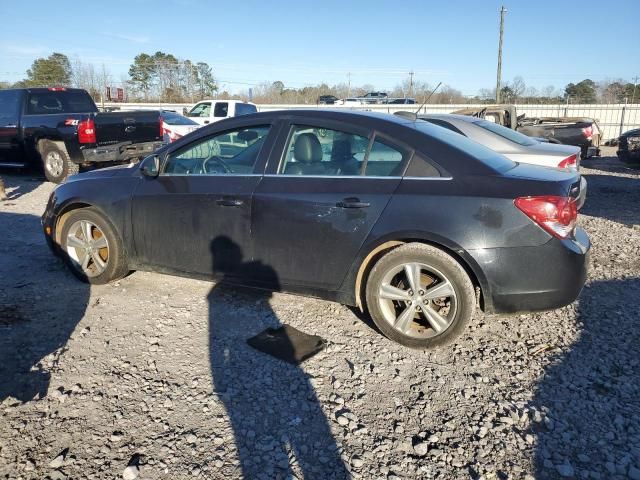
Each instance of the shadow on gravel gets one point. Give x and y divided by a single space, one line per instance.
593 390
279 427
19 184
40 305
613 198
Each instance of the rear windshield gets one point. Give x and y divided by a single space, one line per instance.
483 154
245 109
41 103
173 119
507 133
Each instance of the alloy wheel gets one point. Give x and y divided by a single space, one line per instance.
88 248
417 300
54 163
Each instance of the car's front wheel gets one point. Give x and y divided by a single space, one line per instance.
419 296
93 250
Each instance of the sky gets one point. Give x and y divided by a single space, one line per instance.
302 43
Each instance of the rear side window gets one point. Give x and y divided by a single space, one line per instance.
43 103
9 106
221 109
245 109
384 160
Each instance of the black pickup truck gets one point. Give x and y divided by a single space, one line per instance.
61 129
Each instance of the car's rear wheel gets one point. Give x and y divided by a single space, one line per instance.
92 247
419 296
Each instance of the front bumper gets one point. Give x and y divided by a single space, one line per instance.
526 279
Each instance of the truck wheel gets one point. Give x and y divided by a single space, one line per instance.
419 296
93 249
56 163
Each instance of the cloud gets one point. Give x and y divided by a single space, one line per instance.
128 38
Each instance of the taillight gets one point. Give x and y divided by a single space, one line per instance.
569 162
587 132
87 131
161 120
557 215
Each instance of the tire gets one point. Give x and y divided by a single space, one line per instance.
420 328
107 261
56 163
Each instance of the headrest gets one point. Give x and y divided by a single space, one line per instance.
307 148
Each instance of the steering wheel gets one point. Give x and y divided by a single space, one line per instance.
223 167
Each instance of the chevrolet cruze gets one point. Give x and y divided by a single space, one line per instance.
406 220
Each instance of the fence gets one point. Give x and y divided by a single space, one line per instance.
613 119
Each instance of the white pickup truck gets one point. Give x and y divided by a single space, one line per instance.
209 111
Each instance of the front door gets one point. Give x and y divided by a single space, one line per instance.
10 101
195 216
322 196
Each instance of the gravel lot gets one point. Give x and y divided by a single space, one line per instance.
151 377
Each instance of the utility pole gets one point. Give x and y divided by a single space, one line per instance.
635 84
348 84
499 75
411 84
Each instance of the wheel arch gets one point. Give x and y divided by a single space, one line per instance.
373 252
68 208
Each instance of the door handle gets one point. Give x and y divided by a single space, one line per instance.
206 121
229 202
352 202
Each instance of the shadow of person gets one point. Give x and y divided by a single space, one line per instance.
40 305
592 391
279 427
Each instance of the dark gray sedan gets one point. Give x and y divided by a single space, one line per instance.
399 217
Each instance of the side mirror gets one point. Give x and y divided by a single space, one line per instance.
184 111
150 166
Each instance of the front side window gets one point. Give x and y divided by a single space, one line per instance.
200 110
231 152
320 151
221 110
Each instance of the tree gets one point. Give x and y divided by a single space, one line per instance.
582 92
55 70
207 83
141 73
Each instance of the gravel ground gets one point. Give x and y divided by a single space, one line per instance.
151 377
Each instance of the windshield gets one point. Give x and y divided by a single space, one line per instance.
172 119
460 142
507 133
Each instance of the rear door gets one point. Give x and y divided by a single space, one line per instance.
195 216
10 103
326 185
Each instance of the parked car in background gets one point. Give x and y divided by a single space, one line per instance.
61 129
579 131
327 99
402 101
374 97
629 146
209 111
175 126
510 143
404 218
350 102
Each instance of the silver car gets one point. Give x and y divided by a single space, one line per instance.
513 145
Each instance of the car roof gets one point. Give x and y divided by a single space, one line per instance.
47 89
356 116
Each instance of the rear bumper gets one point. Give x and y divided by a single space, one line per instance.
527 279
119 152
